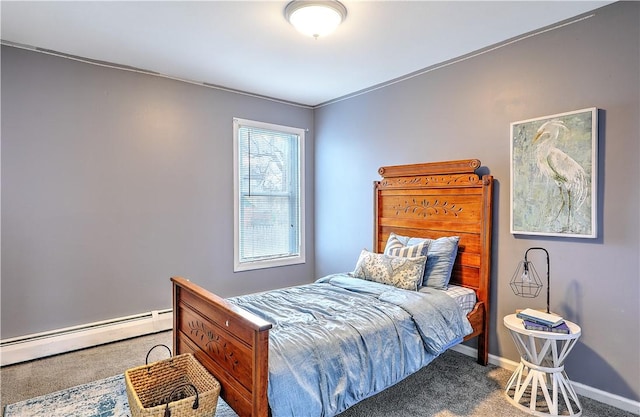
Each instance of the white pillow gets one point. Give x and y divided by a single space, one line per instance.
399 271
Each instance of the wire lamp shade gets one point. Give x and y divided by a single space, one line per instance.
526 282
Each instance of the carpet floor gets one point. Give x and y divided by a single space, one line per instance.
453 385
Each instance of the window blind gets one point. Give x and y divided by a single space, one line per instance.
269 194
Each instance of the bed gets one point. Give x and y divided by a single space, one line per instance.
429 200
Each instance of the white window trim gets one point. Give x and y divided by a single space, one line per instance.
266 263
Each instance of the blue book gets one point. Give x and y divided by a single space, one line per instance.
560 328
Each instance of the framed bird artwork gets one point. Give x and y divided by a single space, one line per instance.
554 175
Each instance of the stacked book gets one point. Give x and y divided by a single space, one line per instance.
544 322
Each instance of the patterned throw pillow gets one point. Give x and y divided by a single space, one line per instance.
441 255
401 272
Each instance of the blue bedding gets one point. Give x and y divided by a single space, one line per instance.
342 339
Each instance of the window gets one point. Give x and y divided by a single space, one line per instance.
268 195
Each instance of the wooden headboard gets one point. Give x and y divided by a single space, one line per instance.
439 199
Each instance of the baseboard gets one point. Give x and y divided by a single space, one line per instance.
40 345
584 390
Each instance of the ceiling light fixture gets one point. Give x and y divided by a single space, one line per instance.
315 17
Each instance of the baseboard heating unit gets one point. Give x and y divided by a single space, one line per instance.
40 345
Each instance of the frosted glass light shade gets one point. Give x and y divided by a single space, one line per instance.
315 18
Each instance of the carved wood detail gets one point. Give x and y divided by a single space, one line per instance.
426 208
213 342
462 180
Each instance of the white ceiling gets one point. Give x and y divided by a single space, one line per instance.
249 46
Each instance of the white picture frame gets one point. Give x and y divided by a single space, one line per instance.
554 175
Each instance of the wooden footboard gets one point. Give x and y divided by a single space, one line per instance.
230 342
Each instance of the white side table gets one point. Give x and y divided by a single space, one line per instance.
541 369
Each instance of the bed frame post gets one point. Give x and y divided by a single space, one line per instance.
485 266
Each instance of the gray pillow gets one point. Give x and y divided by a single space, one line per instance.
441 256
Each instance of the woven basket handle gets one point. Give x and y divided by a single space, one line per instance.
196 403
146 361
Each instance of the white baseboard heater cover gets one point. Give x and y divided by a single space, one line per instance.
40 345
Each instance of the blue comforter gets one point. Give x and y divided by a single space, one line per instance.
342 339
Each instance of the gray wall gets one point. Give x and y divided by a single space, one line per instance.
463 111
112 182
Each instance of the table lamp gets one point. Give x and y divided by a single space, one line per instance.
526 282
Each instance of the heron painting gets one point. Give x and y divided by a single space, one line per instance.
554 175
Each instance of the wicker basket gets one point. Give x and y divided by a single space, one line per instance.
179 387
